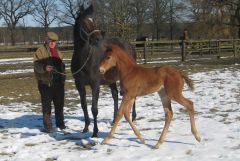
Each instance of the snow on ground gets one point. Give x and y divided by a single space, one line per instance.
16 60
216 98
19 61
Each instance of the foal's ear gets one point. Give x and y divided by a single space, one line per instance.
108 47
108 50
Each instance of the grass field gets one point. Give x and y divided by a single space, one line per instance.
18 86
216 99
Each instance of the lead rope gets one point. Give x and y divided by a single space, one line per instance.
89 55
90 52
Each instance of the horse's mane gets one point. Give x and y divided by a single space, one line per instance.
123 44
117 41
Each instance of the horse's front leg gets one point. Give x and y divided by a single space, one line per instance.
82 92
95 95
123 107
114 92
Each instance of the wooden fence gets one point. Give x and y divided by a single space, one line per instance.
150 51
186 49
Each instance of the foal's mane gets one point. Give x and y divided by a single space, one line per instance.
112 43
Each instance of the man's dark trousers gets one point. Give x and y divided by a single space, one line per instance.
49 94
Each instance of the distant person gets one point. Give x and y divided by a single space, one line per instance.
185 37
49 71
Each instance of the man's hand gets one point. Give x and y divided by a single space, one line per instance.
49 68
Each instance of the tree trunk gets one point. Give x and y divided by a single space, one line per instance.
239 32
12 31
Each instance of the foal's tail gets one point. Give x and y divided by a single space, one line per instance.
188 81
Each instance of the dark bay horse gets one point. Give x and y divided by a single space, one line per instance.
86 57
136 80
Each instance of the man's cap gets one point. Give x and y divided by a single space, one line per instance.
52 36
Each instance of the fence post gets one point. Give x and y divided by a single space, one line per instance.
183 50
144 52
219 48
209 47
234 49
201 48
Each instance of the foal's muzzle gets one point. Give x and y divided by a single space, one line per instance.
102 70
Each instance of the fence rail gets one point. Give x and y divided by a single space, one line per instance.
187 49
148 51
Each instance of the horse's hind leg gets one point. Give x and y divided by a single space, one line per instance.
134 114
82 92
166 102
114 92
127 117
189 105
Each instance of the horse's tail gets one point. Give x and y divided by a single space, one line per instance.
188 81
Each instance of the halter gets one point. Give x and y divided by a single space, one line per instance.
88 35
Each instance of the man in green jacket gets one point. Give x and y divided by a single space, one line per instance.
49 71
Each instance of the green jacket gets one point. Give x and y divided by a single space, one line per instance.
42 58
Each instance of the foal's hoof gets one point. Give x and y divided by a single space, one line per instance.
142 141
105 141
157 146
198 138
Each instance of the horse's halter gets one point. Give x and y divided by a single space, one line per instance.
86 35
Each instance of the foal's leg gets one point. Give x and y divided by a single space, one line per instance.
189 105
114 91
124 104
82 92
166 102
127 117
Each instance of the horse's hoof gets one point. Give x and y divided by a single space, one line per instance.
94 135
85 130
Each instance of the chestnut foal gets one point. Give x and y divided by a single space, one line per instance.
136 80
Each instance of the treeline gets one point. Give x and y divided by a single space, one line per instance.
157 19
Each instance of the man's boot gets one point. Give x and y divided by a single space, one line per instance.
47 122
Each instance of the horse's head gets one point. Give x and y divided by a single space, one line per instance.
88 28
109 60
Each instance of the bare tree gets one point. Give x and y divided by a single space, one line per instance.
12 11
69 11
211 19
231 10
140 13
159 14
117 16
45 13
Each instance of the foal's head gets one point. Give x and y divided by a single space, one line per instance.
109 60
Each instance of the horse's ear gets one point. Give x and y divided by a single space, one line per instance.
89 9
